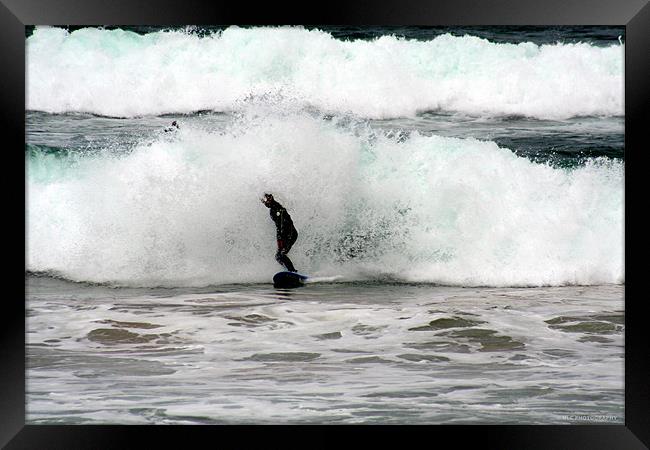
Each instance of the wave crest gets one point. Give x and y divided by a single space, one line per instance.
124 74
186 211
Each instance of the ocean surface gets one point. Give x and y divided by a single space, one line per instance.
459 198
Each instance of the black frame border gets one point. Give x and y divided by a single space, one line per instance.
633 14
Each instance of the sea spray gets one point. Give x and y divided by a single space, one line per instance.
124 74
184 209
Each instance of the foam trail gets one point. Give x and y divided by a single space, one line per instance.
124 74
186 211
325 279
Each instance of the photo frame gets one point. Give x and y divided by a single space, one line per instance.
635 15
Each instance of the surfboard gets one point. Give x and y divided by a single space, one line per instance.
289 280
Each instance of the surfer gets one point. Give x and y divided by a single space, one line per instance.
173 127
286 233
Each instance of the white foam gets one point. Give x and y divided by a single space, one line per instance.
120 73
186 211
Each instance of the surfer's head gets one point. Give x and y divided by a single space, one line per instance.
267 199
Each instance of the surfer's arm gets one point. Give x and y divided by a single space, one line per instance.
282 211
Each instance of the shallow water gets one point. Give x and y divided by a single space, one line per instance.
330 353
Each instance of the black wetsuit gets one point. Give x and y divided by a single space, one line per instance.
286 234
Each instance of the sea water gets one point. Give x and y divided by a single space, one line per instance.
459 200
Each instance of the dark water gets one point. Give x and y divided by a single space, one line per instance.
566 143
595 35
